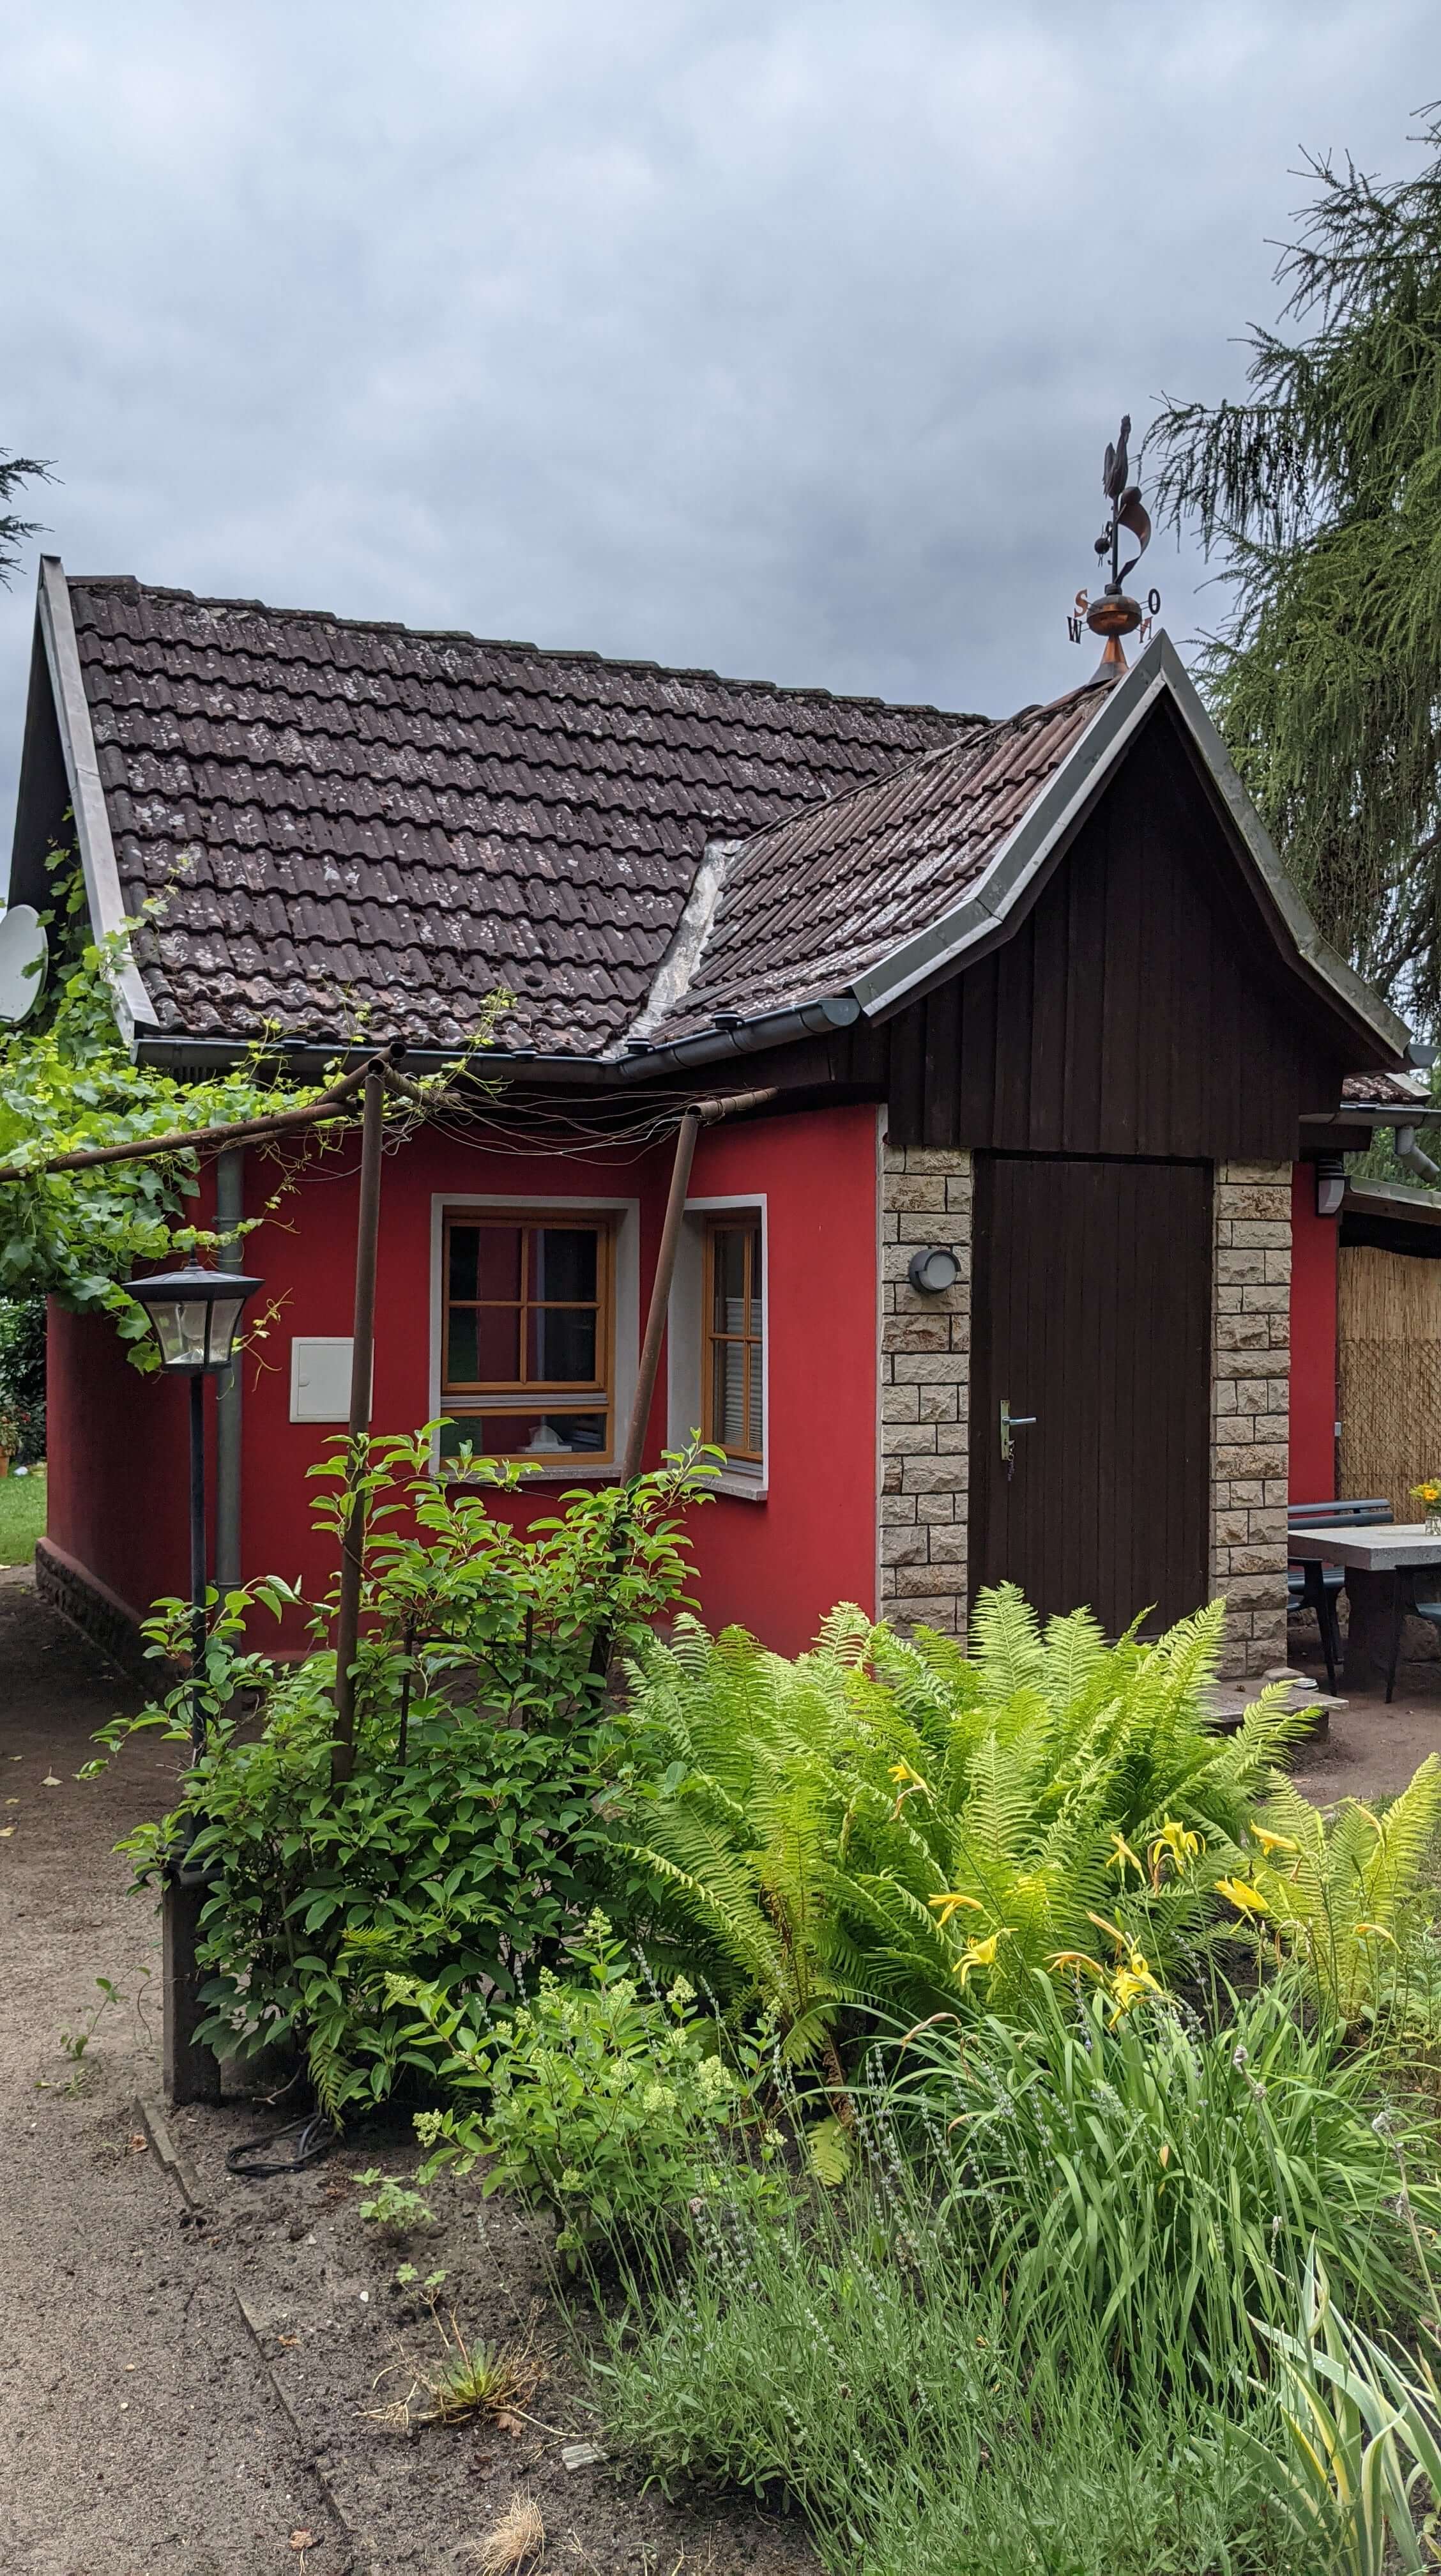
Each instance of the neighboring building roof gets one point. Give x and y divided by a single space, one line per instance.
1386 1091
347 816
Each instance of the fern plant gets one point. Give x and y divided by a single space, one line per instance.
740 1814
1343 1896
894 1821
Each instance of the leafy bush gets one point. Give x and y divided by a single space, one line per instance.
605 2106
883 1819
1174 2174
22 1379
472 1835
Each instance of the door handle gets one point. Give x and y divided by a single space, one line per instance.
1012 1422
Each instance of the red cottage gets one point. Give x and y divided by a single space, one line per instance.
1002 1280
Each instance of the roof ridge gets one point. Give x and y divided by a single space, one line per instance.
124 581
988 731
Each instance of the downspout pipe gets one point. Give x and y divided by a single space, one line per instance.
229 1210
1409 1153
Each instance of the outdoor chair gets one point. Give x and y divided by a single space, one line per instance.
1313 1586
1405 1604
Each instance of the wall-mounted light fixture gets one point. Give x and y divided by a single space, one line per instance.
933 1269
1330 1184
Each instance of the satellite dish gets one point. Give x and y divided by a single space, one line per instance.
24 955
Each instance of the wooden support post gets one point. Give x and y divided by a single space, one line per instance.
690 1127
191 2073
362 1358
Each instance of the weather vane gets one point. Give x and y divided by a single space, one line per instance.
1114 614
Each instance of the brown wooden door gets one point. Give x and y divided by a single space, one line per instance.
1092 1310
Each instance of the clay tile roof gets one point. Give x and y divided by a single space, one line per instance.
1387 1090
812 902
348 815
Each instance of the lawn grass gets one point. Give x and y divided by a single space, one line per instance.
22 1516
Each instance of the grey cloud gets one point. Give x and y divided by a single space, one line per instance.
782 337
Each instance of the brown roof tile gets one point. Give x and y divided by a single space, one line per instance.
346 816
809 904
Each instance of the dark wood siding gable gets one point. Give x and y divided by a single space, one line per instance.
1139 1008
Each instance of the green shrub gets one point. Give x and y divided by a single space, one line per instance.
22 1378
472 1836
890 1820
604 2106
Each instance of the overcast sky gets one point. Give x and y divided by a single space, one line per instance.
781 336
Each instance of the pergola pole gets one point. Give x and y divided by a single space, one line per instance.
362 1355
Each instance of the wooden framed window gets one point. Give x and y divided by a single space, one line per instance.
527 1365
733 1337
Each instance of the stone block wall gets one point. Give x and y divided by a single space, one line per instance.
925 1346
1250 1404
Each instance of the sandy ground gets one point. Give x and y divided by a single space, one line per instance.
139 2435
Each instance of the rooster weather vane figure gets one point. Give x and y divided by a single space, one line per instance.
1114 614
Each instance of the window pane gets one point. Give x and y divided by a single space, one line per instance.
461 1358
526 1435
560 1343
753 1424
728 1395
563 1262
484 1261
756 1290
729 1256
483 1346
464 1242
497 1335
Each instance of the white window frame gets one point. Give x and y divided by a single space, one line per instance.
685 1339
626 1216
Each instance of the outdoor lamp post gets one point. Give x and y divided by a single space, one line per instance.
195 1313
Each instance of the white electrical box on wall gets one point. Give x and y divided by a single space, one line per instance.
320 1378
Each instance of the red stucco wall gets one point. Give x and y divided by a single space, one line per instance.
1314 1241
117 1441
118 1463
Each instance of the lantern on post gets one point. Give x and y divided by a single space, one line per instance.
195 1313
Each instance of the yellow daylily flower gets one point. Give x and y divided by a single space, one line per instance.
1183 1846
1076 1959
903 1771
1121 1853
946 1906
1375 1932
1109 1929
978 1954
1272 1842
1131 1982
1245 1899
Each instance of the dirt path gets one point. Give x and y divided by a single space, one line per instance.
139 2435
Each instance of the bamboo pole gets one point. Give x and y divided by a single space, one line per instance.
362 1358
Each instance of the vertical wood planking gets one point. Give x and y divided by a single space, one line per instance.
1091 1309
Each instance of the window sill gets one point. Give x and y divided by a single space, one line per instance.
741 1489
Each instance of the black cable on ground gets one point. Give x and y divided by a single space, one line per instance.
315 2136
